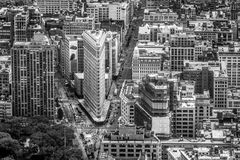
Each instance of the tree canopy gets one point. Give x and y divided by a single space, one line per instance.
46 139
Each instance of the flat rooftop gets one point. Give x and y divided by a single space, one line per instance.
129 90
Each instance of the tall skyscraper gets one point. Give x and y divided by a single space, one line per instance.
94 70
33 77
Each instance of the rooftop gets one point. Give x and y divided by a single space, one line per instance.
5 59
38 39
79 75
145 50
129 90
200 141
98 36
175 152
192 65
144 29
185 105
233 94
131 134
158 11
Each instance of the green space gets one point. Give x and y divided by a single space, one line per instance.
37 138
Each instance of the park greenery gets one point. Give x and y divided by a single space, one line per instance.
36 138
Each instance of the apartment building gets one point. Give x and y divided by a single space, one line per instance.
54 6
182 47
129 142
128 97
230 55
148 58
77 25
33 77
94 70
159 16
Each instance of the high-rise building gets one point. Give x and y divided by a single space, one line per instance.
33 77
153 109
94 70
181 48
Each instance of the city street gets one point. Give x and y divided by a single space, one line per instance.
126 66
76 117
